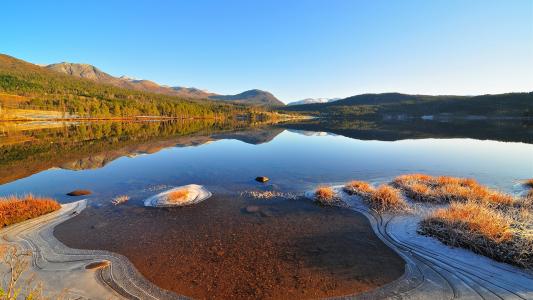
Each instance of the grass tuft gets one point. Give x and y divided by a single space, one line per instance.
326 195
357 187
445 189
383 198
120 199
177 196
386 198
503 234
14 209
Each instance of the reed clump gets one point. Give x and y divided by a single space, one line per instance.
177 196
120 199
15 209
326 195
357 187
381 199
503 234
445 189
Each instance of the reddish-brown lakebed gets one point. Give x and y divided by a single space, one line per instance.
235 247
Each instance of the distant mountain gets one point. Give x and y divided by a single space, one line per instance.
257 97
396 104
91 72
313 100
254 97
77 90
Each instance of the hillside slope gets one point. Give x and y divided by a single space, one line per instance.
502 105
257 97
25 85
86 71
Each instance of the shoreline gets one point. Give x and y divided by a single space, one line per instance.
432 269
60 268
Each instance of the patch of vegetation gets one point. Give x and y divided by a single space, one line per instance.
381 199
120 199
387 104
43 89
503 234
326 195
445 189
177 196
15 209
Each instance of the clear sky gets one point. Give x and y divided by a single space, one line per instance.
294 49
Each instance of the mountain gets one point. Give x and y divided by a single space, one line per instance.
85 91
396 104
254 97
92 73
313 100
257 97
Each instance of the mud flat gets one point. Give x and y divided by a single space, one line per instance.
236 247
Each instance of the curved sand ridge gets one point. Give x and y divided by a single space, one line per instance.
59 267
434 270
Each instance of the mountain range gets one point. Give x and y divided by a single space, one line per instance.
255 96
514 105
313 100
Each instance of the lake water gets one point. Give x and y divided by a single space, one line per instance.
121 158
232 245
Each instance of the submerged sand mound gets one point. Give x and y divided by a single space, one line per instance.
179 196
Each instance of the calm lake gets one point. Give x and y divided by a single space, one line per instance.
136 158
231 245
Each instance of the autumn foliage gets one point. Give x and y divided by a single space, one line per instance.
445 189
14 209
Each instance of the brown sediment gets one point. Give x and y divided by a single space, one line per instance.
79 193
219 248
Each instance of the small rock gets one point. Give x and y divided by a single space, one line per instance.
262 179
252 209
79 193
97 265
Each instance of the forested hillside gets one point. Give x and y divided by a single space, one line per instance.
502 105
28 86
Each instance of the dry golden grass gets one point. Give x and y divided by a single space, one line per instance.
503 234
325 194
120 199
386 198
177 196
444 189
14 209
383 198
476 219
357 187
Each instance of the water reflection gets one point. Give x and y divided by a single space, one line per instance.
119 157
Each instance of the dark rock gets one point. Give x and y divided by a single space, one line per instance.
262 179
79 193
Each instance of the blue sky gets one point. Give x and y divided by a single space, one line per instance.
294 49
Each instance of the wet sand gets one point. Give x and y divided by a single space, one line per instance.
233 247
